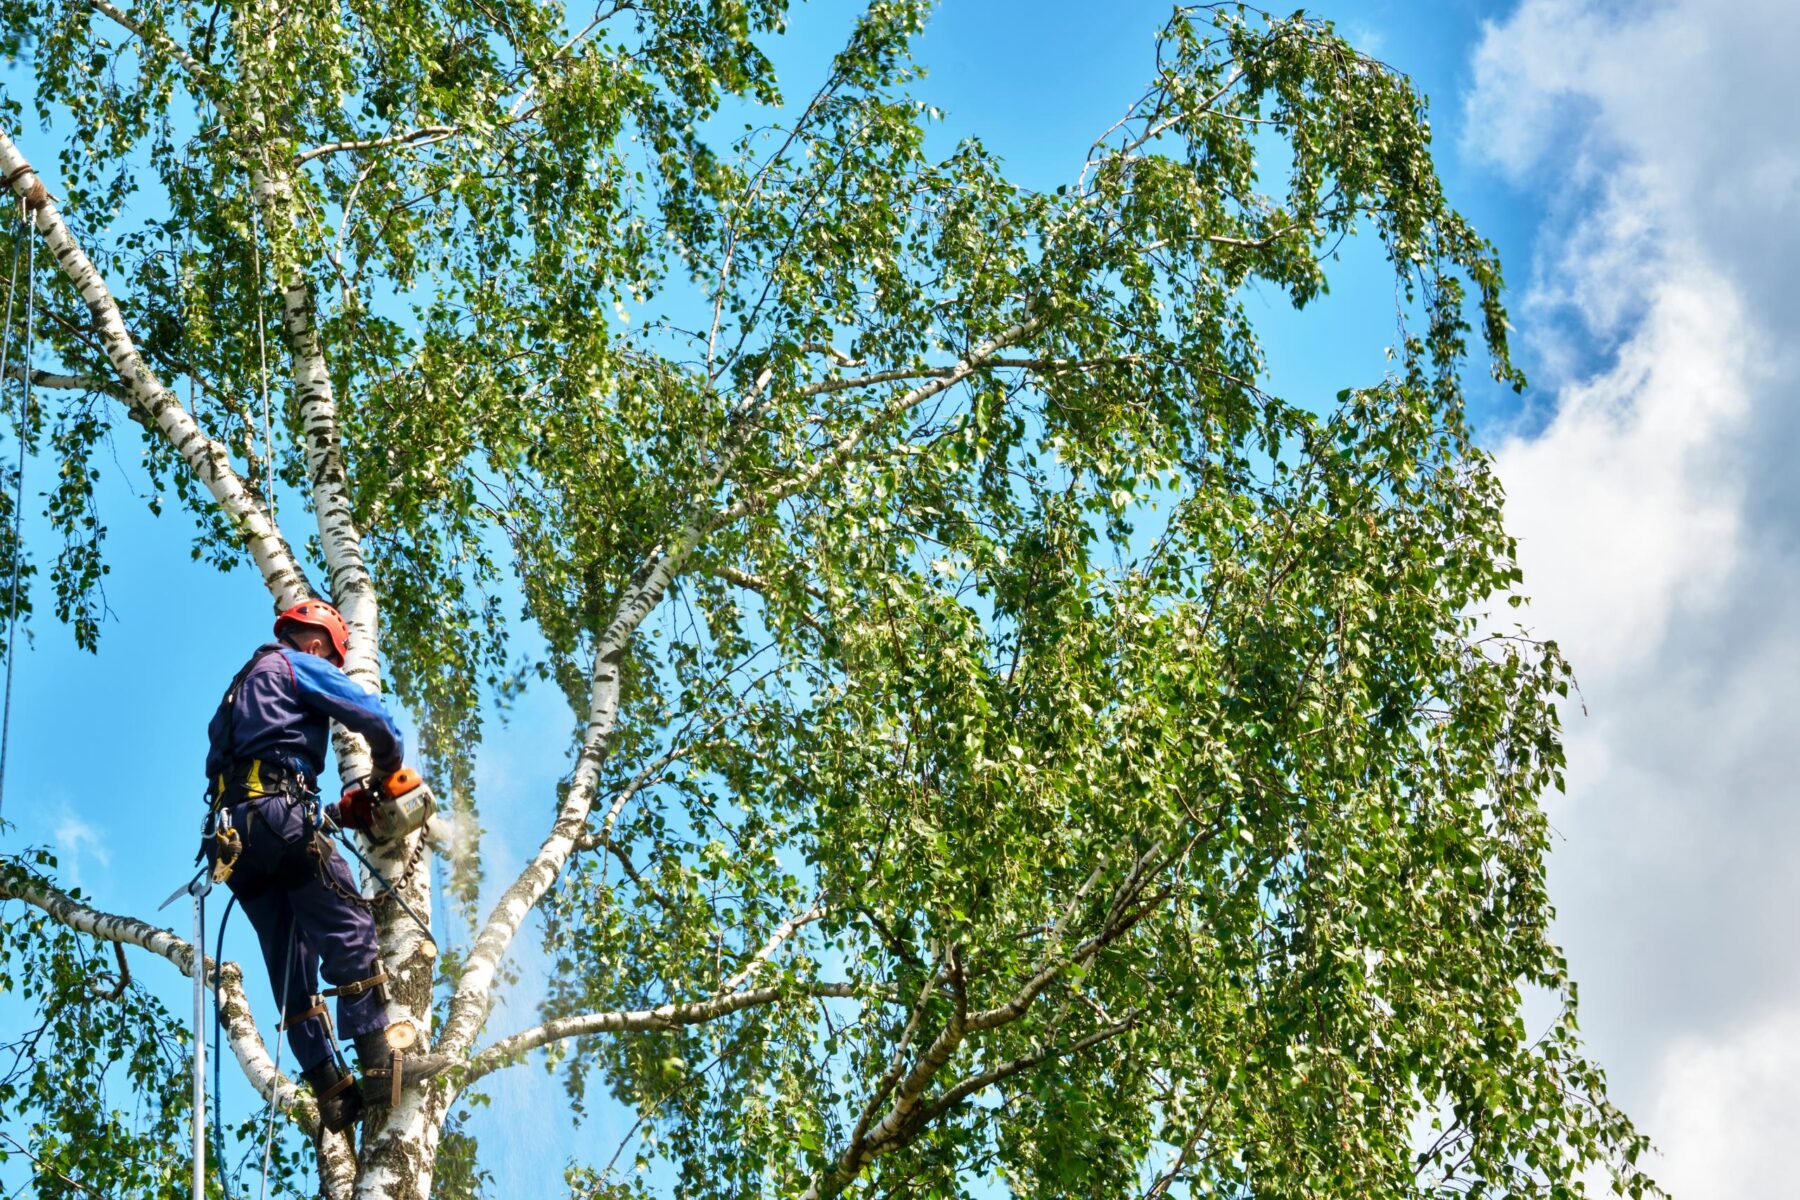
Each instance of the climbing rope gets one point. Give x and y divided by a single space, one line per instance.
287 976
218 1058
28 244
262 361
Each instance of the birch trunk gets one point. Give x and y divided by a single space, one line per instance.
396 1160
152 399
399 1150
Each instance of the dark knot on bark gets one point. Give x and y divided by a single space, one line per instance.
35 196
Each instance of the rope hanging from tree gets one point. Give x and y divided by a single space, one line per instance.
28 245
262 360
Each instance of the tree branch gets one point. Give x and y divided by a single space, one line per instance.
761 586
907 1095
649 1020
967 1087
1119 921
647 777
71 383
208 460
845 446
832 352
246 1043
157 39
47 1169
897 1062
782 933
426 135
473 998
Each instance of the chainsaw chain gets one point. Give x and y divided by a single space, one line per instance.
315 849
367 903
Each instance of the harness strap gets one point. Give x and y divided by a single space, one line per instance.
229 703
317 1010
344 1080
359 987
209 826
394 1073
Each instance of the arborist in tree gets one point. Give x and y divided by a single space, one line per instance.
264 838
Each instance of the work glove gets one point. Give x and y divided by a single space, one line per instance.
355 809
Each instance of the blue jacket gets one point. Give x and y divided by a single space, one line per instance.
284 709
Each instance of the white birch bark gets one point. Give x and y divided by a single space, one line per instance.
410 1132
240 1027
351 589
648 1020
208 459
397 1159
473 999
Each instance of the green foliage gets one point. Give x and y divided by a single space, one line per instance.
94 1039
1170 795
459 1174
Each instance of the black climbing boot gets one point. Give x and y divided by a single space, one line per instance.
340 1100
373 1054
390 1060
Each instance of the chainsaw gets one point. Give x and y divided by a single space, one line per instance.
390 809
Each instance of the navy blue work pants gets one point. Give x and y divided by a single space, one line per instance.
282 887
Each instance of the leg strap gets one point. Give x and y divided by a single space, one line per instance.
394 1073
359 987
317 1010
344 1080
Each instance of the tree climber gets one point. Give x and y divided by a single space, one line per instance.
267 751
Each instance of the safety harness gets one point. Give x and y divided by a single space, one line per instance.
218 826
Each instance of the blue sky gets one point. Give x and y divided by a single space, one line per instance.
1646 229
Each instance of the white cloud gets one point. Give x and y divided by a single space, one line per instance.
1626 505
1727 1103
77 842
1659 519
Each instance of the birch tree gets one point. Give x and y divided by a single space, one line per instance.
1012 751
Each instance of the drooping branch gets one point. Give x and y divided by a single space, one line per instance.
783 932
649 1020
209 460
844 447
240 1025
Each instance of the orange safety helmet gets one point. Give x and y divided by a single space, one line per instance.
319 615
